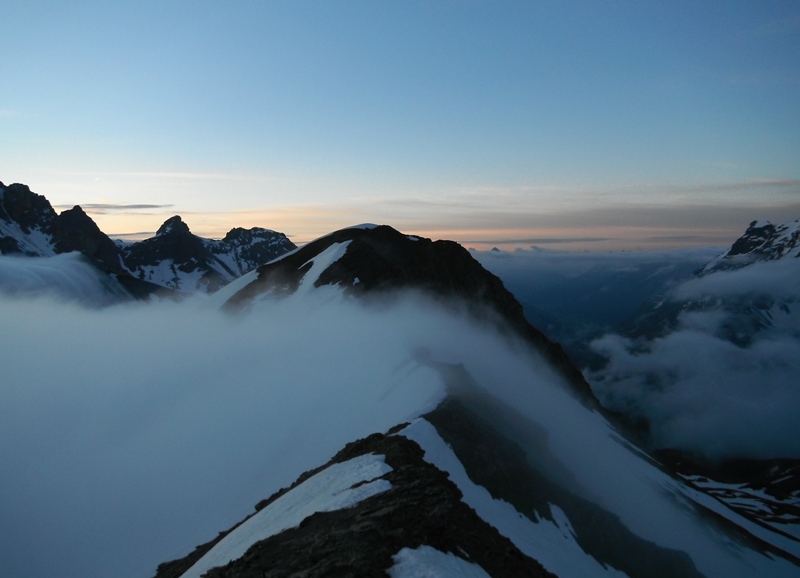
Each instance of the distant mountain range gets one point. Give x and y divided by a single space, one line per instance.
512 468
173 260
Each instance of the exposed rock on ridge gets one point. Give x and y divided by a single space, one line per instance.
423 507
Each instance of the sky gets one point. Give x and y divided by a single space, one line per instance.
577 126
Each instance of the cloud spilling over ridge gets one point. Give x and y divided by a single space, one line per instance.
68 276
130 434
702 393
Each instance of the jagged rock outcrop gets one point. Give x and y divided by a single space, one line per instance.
74 230
762 241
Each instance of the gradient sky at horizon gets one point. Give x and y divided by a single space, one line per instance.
582 125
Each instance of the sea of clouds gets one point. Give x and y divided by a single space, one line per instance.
131 433
700 391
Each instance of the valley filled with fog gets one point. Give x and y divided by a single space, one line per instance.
699 390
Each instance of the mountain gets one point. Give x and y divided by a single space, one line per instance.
174 260
751 286
371 261
512 471
371 403
723 345
179 260
762 241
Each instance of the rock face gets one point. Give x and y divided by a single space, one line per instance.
74 230
173 260
379 261
762 241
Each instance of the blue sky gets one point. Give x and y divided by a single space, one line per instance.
624 124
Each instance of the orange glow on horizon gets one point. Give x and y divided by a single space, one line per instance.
304 224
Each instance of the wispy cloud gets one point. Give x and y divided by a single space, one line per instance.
104 208
539 240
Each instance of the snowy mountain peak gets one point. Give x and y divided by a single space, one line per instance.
762 241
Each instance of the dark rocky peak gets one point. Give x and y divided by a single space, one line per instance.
756 235
26 208
239 235
173 226
173 240
74 230
380 260
246 249
762 241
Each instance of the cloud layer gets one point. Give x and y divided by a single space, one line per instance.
130 434
701 392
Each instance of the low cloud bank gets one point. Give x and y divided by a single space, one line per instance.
132 433
702 393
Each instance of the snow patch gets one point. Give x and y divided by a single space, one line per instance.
552 544
334 488
428 562
321 262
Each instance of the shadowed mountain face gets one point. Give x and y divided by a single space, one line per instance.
763 242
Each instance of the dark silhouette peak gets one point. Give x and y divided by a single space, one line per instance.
172 226
76 210
25 207
240 233
767 241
